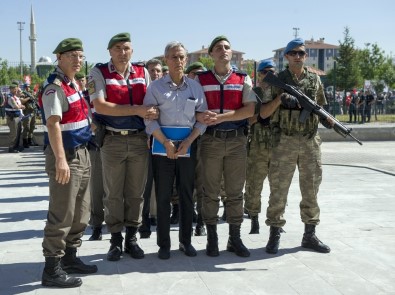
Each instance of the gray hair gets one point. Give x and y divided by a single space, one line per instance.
154 62
174 44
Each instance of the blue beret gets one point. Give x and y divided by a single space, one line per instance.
292 44
266 63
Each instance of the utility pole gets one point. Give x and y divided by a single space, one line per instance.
296 32
20 28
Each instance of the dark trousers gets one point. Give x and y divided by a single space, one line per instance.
146 225
183 170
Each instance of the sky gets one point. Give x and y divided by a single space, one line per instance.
255 27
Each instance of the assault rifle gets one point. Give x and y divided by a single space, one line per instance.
309 106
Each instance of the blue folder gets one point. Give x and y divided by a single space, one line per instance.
173 133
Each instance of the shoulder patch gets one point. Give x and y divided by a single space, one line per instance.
50 91
91 87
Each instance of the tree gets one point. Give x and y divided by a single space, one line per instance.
207 62
348 75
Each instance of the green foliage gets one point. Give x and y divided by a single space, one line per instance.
207 61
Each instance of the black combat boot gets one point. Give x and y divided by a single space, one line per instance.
31 142
175 214
131 245
72 264
200 230
115 252
25 143
311 241
254 225
212 240
235 244
274 240
96 234
55 276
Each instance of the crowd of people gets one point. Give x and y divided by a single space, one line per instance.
121 143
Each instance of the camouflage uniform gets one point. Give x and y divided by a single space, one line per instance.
258 159
299 146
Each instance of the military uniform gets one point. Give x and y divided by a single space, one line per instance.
30 123
299 146
262 139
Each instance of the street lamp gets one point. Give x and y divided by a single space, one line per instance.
20 28
296 32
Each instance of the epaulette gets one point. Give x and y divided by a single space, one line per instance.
240 73
138 63
55 79
98 65
203 72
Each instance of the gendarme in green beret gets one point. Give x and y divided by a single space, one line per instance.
216 40
194 66
69 44
79 75
121 37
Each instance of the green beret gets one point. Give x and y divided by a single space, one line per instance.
215 41
79 75
194 66
121 37
69 44
165 68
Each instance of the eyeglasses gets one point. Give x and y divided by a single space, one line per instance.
75 56
264 72
301 53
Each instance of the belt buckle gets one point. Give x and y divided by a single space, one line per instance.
124 132
223 134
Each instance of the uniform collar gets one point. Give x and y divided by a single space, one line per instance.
112 68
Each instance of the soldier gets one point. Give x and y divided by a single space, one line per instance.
67 164
97 190
259 148
29 124
299 146
223 147
117 90
14 112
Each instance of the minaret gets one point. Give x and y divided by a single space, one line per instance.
33 40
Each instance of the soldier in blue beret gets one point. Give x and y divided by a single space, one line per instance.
299 146
261 142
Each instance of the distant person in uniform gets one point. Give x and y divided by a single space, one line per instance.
14 114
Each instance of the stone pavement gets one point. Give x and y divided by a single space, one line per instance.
357 202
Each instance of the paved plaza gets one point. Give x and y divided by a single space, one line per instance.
357 199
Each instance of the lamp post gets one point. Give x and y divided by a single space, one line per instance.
20 28
296 32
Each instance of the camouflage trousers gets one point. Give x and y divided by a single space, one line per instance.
304 153
257 170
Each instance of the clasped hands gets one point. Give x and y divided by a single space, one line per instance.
174 149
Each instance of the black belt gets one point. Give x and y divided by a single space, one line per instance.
123 132
223 134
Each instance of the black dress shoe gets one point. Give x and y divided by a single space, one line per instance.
189 250
164 253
